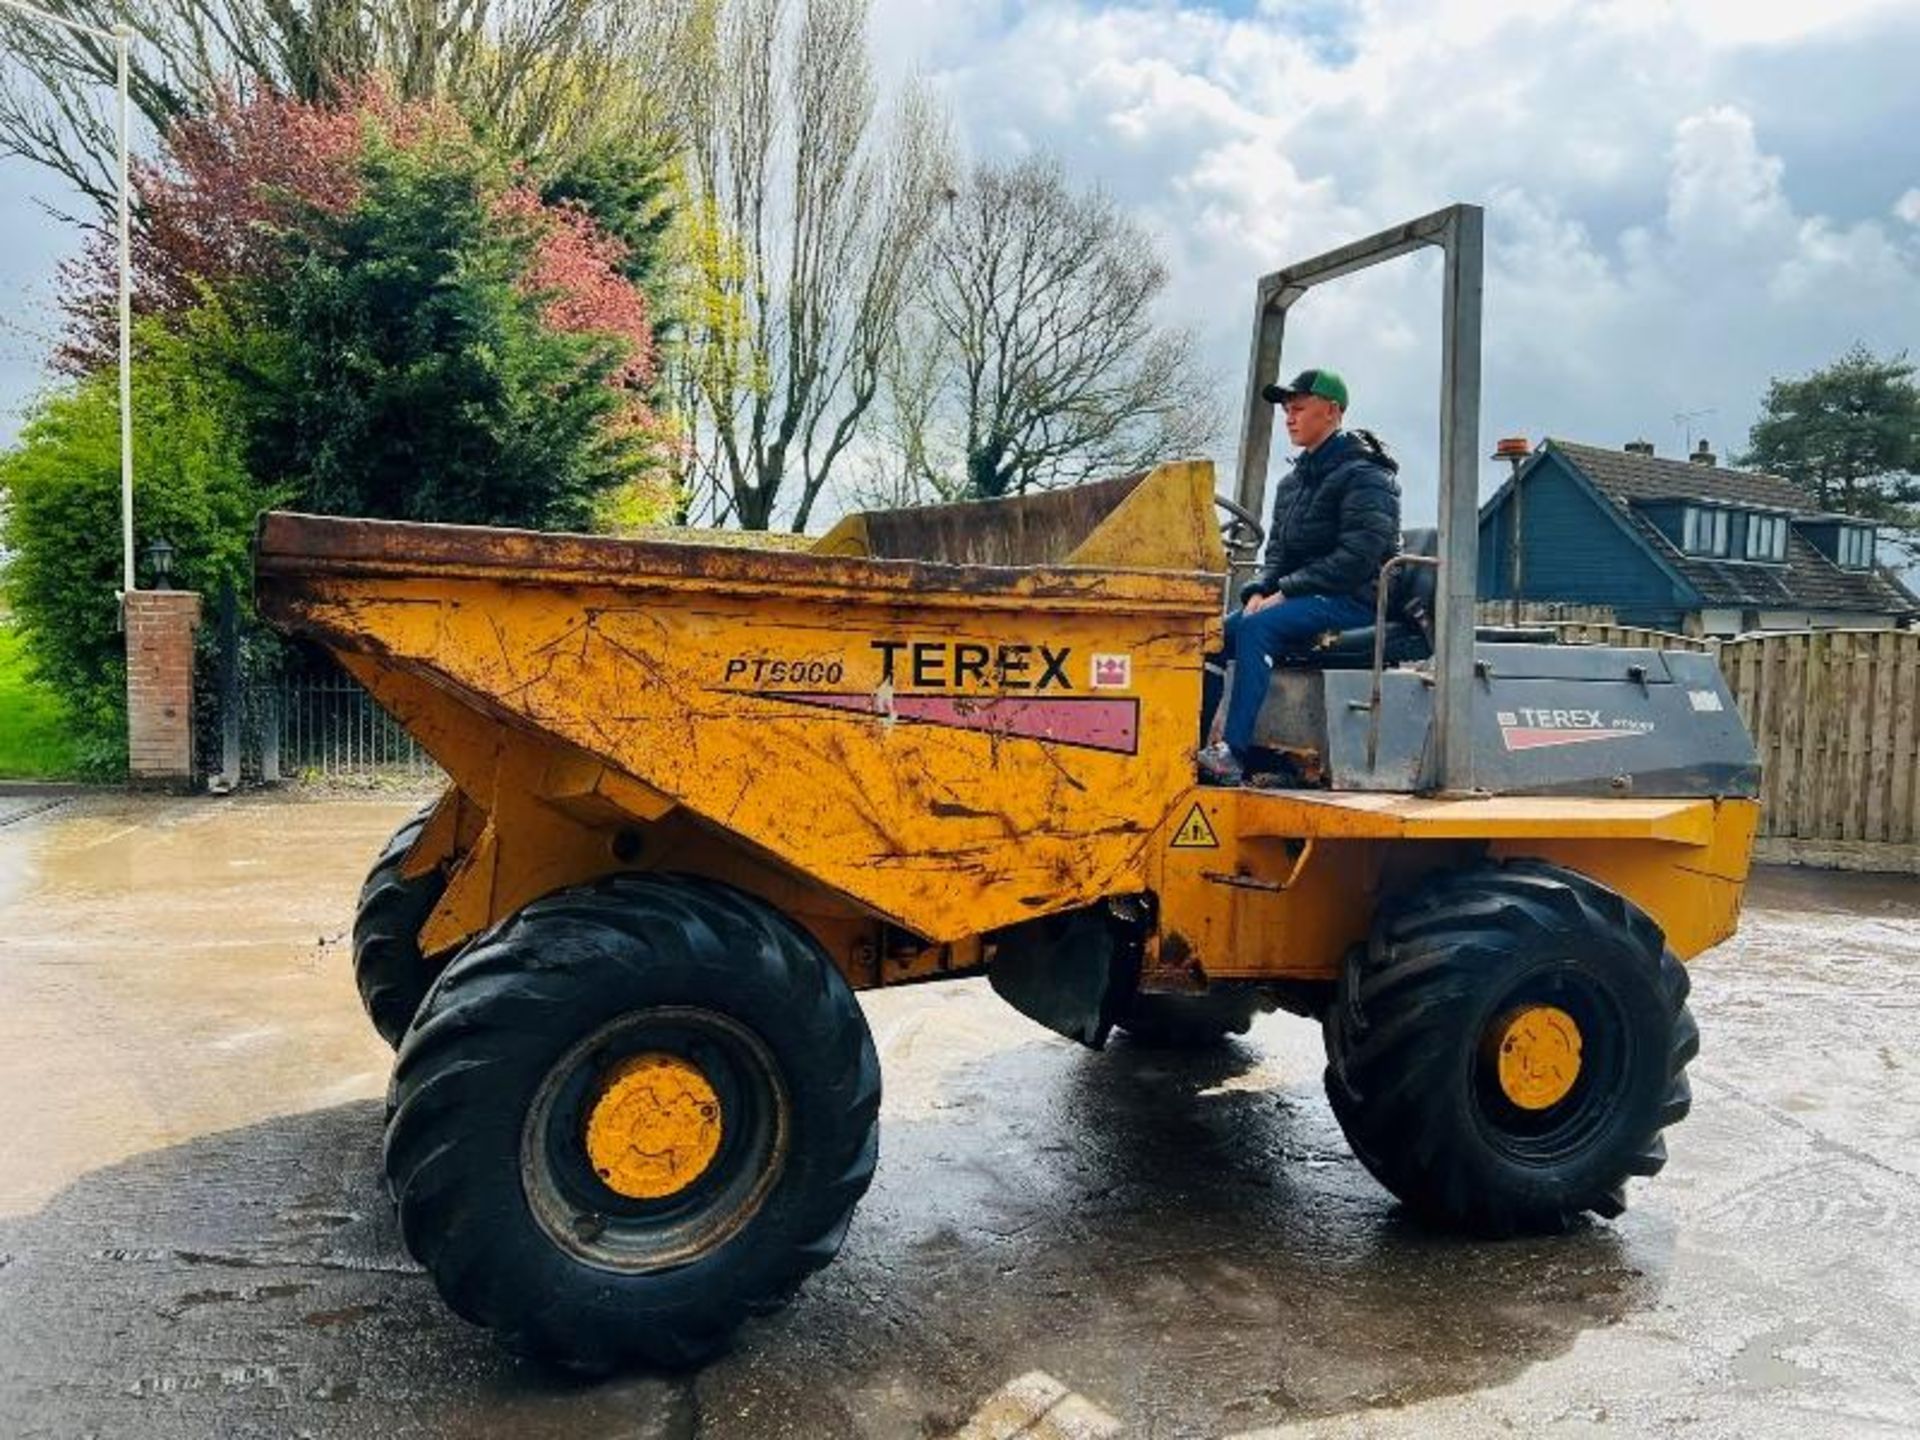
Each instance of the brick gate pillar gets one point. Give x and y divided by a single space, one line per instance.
160 626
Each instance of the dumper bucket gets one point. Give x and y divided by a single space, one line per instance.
952 747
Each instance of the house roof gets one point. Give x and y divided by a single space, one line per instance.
1808 578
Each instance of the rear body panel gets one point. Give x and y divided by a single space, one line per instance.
1260 884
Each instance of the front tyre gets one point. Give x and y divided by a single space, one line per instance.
1505 1052
388 968
629 1117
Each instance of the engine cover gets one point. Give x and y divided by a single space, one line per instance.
1547 720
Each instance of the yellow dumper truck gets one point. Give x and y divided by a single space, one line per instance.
701 796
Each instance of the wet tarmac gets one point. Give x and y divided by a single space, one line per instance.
194 1239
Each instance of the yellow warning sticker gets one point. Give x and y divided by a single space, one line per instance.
1195 832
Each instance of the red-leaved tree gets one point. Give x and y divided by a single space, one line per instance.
232 181
213 207
575 271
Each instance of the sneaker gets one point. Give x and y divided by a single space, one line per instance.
1219 766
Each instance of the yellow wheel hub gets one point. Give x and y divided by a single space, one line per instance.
1539 1057
655 1127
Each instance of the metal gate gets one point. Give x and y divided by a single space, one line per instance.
267 712
330 727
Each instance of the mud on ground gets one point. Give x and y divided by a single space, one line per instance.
194 1239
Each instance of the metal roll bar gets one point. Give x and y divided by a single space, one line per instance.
1459 232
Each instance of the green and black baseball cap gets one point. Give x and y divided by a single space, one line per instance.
1327 384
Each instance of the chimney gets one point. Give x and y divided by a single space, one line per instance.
1703 456
1639 447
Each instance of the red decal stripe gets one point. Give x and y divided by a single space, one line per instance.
1112 726
1518 738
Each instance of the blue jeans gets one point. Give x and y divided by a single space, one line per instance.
1255 641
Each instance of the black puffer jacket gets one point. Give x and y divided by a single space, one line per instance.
1336 521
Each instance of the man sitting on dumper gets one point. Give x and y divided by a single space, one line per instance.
1336 521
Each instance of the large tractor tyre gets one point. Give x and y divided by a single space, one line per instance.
391 973
630 1116
1187 1022
1506 1050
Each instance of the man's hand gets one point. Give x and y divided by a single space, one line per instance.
1256 603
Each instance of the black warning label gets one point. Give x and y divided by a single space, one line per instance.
1195 832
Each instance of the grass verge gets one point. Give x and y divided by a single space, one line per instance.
36 742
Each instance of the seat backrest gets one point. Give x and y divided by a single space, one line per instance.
1415 587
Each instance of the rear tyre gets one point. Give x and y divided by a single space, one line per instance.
1187 1022
1505 1052
629 1117
388 967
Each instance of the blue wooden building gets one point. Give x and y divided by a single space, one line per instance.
1685 545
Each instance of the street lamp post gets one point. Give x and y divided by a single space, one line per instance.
121 38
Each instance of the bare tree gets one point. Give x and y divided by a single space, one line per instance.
900 464
543 75
808 220
1050 366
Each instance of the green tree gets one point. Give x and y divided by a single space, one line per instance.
627 187
406 330
419 378
1849 434
61 486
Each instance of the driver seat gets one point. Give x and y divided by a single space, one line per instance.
1411 591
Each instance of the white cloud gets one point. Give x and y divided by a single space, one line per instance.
1721 189
1656 243
1647 252
1771 21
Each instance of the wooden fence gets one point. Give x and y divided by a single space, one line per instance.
1540 612
1632 636
1833 715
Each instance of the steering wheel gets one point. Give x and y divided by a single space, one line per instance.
1241 532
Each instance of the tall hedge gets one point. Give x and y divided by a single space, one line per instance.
62 518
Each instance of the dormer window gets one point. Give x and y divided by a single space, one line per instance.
1766 537
1856 547
1704 532
1843 540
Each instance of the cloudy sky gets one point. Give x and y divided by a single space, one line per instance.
1684 197
32 244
